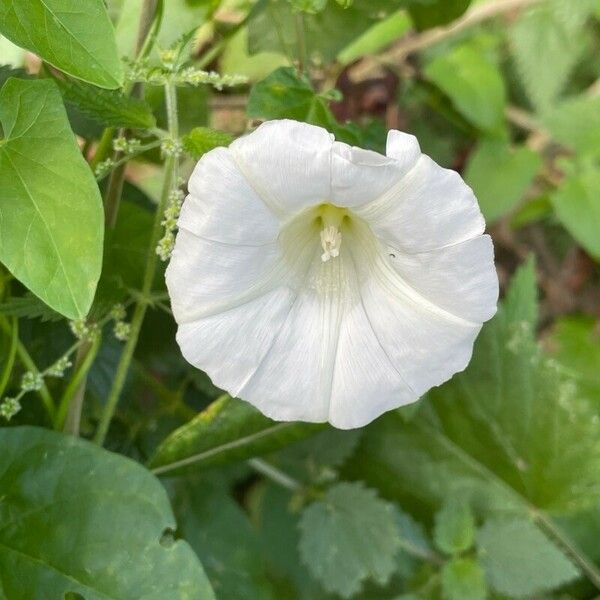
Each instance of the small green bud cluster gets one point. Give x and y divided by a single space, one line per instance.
166 244
122 144
83 331
121 329
104 167
31 382
193 76
168 58
59 367
9 407
171 147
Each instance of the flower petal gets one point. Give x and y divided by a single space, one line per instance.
460 278
429 208
222 206
206 277
404 148
287 163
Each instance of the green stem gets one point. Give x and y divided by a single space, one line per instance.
114 189
275 475
139 313
301 41
12 353
28 363
103 149
138 152
68 416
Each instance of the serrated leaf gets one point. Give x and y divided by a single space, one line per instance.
520 560
79 41
431 13
107 107
500 175
575 123
463 579
508 434
65 507
201 140
52 221
577 205
473 83
29 307
548 34
228 430
348 537
454 530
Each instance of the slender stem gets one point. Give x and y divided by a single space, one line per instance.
126 158
139 312
301 41
275 475
12 353
68 416
409 45
104 147
114 190
30 365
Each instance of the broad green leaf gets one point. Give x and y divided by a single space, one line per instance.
377 37
77 40
221 534
546 43
430 13
51 218
575 344
347 537
228 430
273 26
201 140
508 434
454 530
77 519
520 560
473 83
575 123
500 176
577 206
533 210
107 107
463 579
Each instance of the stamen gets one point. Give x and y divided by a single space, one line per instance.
331 240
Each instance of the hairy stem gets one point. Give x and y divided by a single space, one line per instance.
139 312
275 475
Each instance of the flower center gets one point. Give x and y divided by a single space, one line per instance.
331 240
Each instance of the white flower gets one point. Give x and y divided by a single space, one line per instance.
322 282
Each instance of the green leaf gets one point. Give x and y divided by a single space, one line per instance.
377 37
107 107
79 41
575 123
454 530
51 224
30 307
78 519
500 176
520 560
431 13
347 537
273 26
463 579
201 140
228 430
286 94
473 83
549 33
577 206
221 534
508 434
575 343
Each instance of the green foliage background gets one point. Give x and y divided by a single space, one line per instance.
125 474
